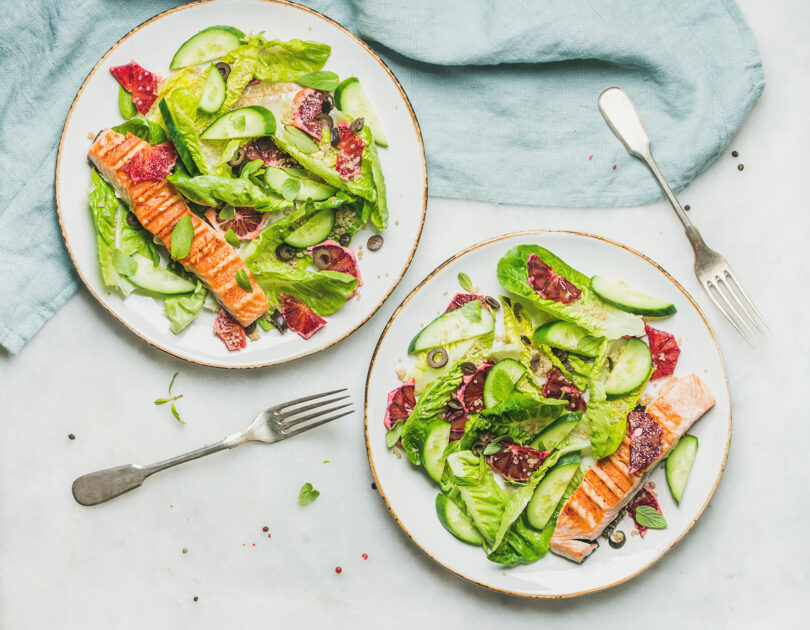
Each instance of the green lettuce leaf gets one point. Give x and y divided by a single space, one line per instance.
211 190
113 232
484 500
379 208
243 62
182 106
323 291
145 129
181 310
588 311
285 61
521 416
523 544
424 374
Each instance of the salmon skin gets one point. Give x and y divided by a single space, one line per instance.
609 485
158 207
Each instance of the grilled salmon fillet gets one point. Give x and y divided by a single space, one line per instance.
608 485
158 206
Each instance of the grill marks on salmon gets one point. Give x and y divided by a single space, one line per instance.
608 485
158 207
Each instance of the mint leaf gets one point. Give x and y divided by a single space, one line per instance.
472 311
243 281
232 238
125 104
228 213
465 282
299 140
502 385
250 168
182 237
307 494
322 80
290 188
125 265
393 434
647 516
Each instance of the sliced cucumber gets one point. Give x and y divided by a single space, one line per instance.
211 43
567 336
310 189
351 98
556 432
177 138
626 298
456 522
245 122
451 327
436 441
158 279
213 92
679 465
631 368
501 381
550 490
314 230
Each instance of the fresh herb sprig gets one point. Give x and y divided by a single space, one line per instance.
307 494
172 399
649 517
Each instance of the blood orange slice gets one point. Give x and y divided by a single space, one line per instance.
458 420
230 331
139 82
266 150
645 496
471 392
332 256
400 404
299 317
154 162
548 284
460 299
246 222
664 350
645 440
557 386
309 103
515 462
350 152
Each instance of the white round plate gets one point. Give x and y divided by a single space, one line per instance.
152 44
410 494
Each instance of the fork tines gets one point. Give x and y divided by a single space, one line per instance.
724 285
288 417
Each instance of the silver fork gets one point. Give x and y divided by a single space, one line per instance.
711 269
271 425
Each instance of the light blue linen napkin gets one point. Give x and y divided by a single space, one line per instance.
505 93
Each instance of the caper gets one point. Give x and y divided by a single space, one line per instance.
493 303
616 538
238 157
468 368
334 136
375 241
224 69
285 252
357 125
437 358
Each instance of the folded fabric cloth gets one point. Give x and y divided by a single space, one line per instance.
505 93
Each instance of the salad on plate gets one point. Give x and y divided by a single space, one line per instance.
238 184
529 413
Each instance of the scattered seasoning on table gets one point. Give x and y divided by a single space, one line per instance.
196 598
254 544
71 436
687 207
171 506
614 167
740 167
590 157
269 535
734 154
265 528
326 461
373 486
365 556
185 550
338 570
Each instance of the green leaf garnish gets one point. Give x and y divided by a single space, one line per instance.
290 188
250 168
177 415
465 282
243 281
472 311
172 399
322 80
171 383
125 104
307 494
393 434
502 385
494 446
647 516
232 238
124 264
182 237
228 213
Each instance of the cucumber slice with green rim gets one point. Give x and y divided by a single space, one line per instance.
158 279
626 298
679 465
450 327
568 336
314 230
310 189
436 440
456 522
351 98
210 43
245 122
550 490
501 381
556 432
177 138
631 368
213 92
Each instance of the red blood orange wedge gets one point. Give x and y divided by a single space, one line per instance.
460 299
400 404
645 439
299 317
154 162
308 104
268 152
139 82
230 331
458 420
548 284
332 256
246 222
350 152
664 350
515 462
471 392
557 386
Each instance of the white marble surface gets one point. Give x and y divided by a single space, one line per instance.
121 565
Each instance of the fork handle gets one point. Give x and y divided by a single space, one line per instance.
623 118
103 485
